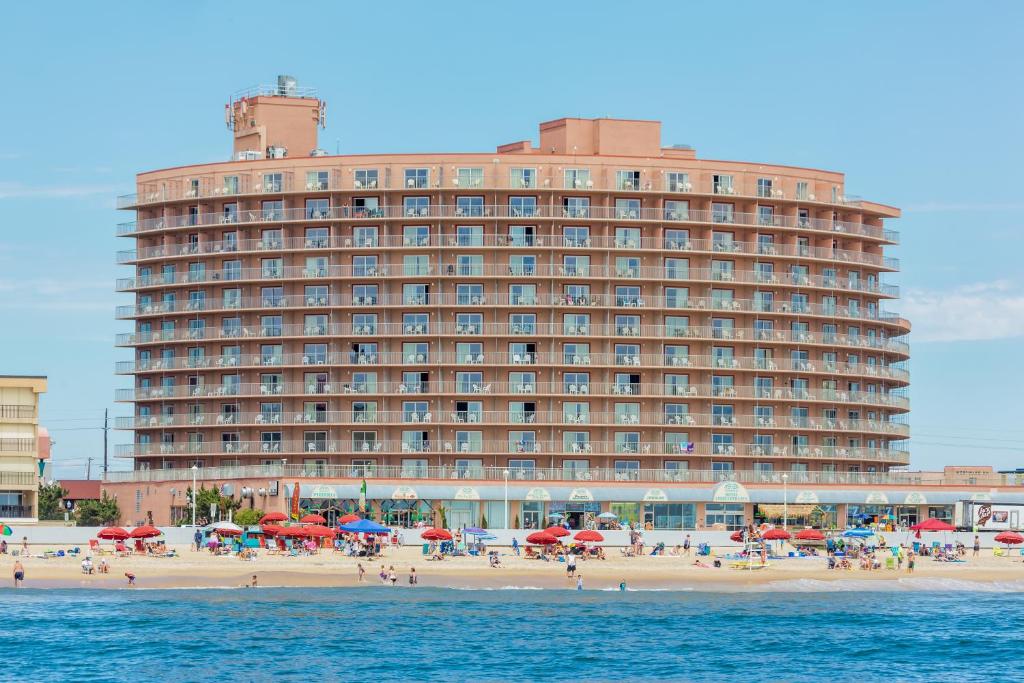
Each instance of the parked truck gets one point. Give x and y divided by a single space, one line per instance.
987 516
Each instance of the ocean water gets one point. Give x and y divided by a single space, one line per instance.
792 631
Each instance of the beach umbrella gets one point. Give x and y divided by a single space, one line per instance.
364 526
932 524
272 529
607 515
273 517
776 535
5 529
146 531
475 530
810 535
541 538
313 519
292 531
555 515
317 531
113 533
436 535
229 528
349 518
588 535
1009 538
557 531
736 536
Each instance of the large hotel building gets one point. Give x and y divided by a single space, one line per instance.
594 323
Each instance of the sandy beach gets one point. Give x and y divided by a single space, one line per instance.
201 570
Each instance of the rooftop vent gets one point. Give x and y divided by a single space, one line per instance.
680 145
287 86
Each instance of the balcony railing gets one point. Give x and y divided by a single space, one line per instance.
678 302
18 479
548 212
329 446
511 417
476 389
569 273
16 512
17 445
17 412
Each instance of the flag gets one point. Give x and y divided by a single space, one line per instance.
295 502
362 498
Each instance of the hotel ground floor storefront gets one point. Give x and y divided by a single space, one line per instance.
726 505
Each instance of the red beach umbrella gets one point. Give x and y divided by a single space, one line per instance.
932 524
146 531
736 536
810 535
313 519
542 538
272 529
436 535
1009 538
293 531
349 518
113 533
317 531
776 535
273 517
557 531
588 535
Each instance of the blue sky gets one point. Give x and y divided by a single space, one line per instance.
919 103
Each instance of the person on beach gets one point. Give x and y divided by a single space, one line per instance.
579 582
197 538
392 576
413 578
686 546
87 566
3 547
253 583
910 562
383 575
977 545
515 545
24 545
622 586
104 566
19 574
130 577
360 572
570 566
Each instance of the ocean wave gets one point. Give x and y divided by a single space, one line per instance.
936 584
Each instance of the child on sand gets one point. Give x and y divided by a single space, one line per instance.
360 571
413 578
130 577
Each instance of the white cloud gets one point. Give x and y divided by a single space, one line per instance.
975 312
9 190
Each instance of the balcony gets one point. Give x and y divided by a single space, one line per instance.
18 445
17 412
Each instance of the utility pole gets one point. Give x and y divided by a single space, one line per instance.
88 467
106 428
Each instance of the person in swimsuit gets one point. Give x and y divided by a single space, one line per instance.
413 578
392 576
19 574
130 577
360 571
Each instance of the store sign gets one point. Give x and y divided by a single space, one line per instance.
538 494
808 497
581 494
404 493
322 492
466 493
730 492
655 496
915 498
876 498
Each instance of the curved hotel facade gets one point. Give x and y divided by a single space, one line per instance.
600 321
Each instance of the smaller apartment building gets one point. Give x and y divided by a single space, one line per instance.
21 446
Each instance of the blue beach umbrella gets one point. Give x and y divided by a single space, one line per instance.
364 526
858 533
475 530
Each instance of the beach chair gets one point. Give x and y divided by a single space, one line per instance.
890 563
997 551
529 554
96 549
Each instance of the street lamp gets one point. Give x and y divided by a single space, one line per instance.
195 469
506 497
785 500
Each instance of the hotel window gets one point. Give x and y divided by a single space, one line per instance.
468 177
415 442
522 207
627 238
803 246
765 215
232 270
677 297
469 236
470 294
677 239
521 235
627 325
273 182
416 352
722 184
723 271
627 442
469 353
522 295
364 237
318 209
576 237
270 297
230 184
676 325
627 296
468 382
272 267
576 354
523 178
365 178
522 382
366 207
802 190
677 269
627 354
468 411
721 212
677 356
677 211
416 206
364 323
469 442
764 187
270 325
229 214
576 207
469 323
576 382
626 266
316 266
416 265
415 323
317 238
364 266
627 180
764 302
314 354
364 295
577 179
522 323
575 266
317 180
468 265
627 209
469 206
417 178
520 353
577 294
677 181
414 294
273 210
